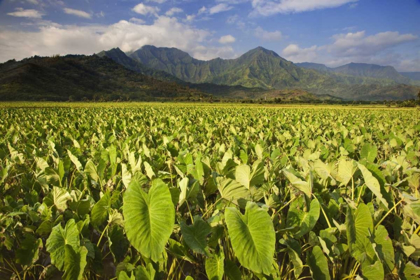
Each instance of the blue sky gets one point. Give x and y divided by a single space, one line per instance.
333 32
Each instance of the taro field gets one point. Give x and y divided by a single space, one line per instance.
178 191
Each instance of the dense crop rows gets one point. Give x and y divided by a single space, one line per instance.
174 192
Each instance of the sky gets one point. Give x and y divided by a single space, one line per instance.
332 32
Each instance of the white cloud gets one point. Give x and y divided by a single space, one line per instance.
219 8
202 10
271 7
358 44
28 13
34 2
296 54
228 39
145 10
77 13
267 35
357 47
189 18
128 36
137 20
173 11
157 1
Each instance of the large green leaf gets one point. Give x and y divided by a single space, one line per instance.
318 264
384 247
232 271
215 266
369 152
359 228
411 272
75 263
298 183
59 238
372 183
149 217
28 251
372 271
302 218
100 210
248 178
252 236
145 273
58 197
233 191
196 234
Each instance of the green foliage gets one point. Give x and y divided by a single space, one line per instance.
166 191
149 218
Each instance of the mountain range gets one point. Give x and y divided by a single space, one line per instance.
151 73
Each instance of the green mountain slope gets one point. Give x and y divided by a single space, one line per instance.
121 58
373 71
262 68
82 77
411 75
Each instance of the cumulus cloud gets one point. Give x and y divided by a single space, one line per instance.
27 13
128 36
356 47
77 13
145 10
267 35
220 8
352 44
137 20
173 11
296 54
228 39
271 7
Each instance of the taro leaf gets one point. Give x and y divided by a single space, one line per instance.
91 171
125 175
296 261
301 218
28 251
369 152
196 234
187 192
243 175
384 247
149 170
149 217
232 271
372 271
123 276
177 250
252 236
318 264
298 183
75 262
215 267
346 169
145 273
411 272
75 161
372 183
58 197
59 238
359 225
248 178
118 244
100 210
233 191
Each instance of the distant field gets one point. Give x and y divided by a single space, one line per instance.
208 191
